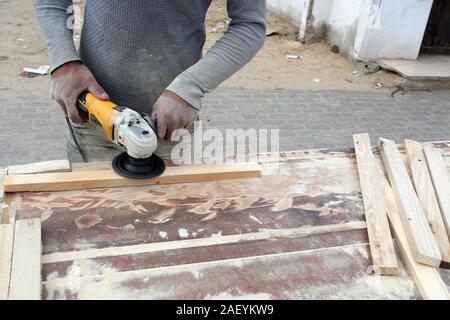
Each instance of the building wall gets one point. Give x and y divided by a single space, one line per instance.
392 29
362 29
290 9
343 23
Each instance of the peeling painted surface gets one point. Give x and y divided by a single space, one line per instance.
332 273
312 188
211 253
318 189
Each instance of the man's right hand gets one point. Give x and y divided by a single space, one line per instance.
68 82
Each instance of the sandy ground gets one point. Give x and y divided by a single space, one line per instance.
22 45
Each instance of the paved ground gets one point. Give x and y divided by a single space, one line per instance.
31 129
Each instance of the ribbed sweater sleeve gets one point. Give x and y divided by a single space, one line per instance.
243 39
54 18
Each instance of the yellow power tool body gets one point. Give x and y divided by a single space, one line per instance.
128 128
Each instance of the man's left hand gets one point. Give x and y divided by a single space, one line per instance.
172 113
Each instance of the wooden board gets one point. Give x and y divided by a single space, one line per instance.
40 167
427 197
421 239
427 279
264 234
26 262
381 245
108 178
440 177
6 244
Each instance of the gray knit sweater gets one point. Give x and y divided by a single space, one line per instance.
138 48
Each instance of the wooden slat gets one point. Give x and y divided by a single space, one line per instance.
380 238
263 234
26 261
440 177
421 239
108 178
427 197
40 167
427 279
6 245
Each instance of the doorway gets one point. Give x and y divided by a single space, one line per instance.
436 39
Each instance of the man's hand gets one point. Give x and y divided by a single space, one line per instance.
68 82
172 113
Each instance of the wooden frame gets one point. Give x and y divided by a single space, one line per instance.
6 247
25 281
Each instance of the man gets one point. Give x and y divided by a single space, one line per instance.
147 55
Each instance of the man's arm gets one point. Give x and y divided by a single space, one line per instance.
70 77
244 38
53 18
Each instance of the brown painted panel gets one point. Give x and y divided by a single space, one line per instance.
203 254
335 273
305 193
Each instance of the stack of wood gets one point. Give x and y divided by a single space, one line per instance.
416 200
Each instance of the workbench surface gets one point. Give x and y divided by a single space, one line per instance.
295 233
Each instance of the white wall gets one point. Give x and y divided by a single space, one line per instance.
362 29
392 29
343 22
291 9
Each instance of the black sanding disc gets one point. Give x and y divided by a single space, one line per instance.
133 168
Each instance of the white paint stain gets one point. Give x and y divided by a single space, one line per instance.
183 233
163 234
255 219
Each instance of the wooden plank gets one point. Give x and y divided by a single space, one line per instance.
6 245
26 261
440 177
108 178
263 234
40 167
380 238
427 197
422 241
427 279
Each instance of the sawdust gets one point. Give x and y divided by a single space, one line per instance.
365 286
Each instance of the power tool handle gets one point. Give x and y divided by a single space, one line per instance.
81 106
